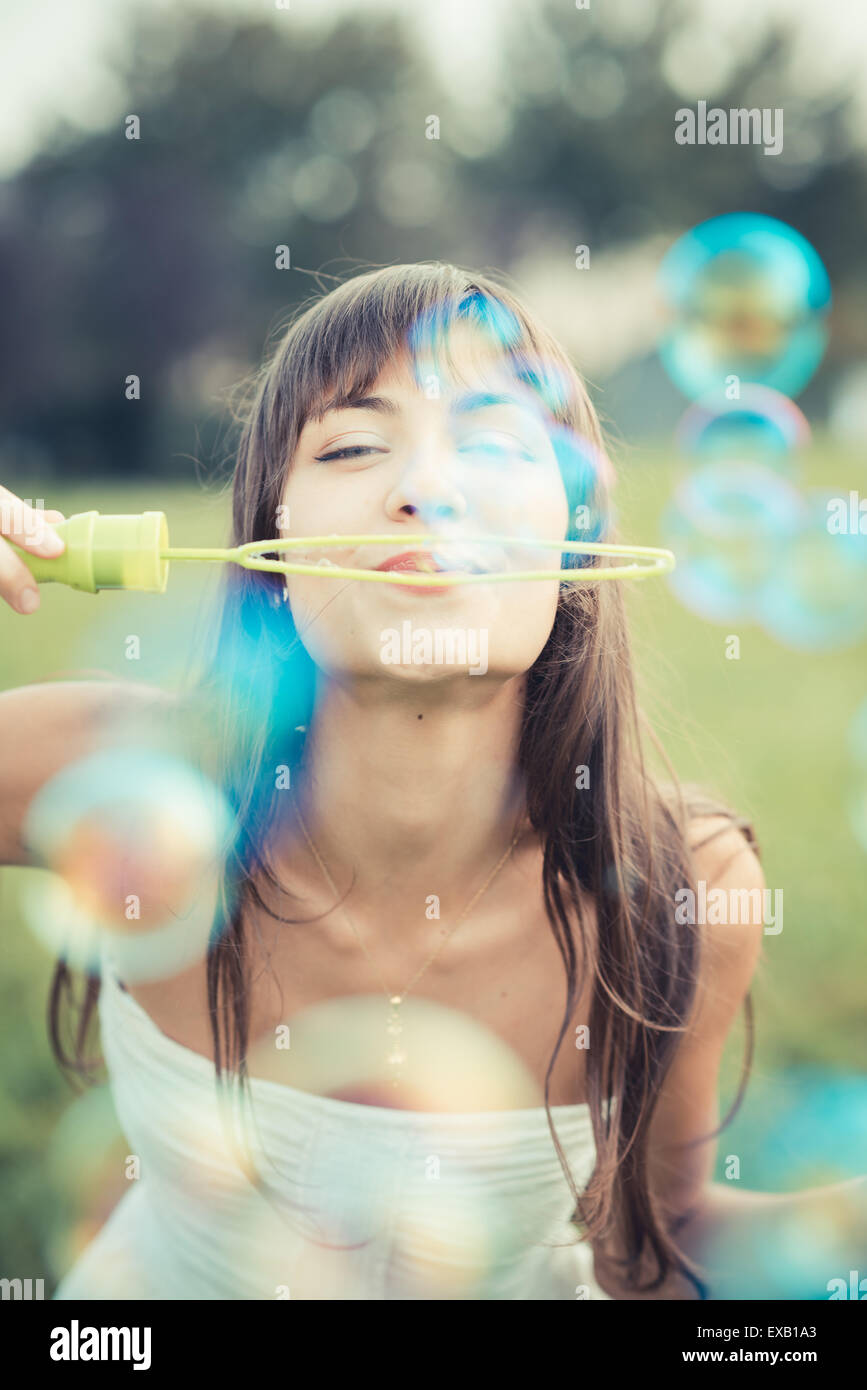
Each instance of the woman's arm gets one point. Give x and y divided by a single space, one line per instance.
688 1105
832 1218
44 727
706 1218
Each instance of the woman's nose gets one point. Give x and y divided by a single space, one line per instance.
430 485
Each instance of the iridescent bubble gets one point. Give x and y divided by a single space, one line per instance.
494 327
808 1134
85 1162
539 388
794 1250
133 841
262 677
728 526
811 1129
450 1226
748 297
340 1047
761 426
816 596
588 477
87 1143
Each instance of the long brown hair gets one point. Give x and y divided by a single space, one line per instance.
621 840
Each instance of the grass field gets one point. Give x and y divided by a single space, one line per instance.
767 732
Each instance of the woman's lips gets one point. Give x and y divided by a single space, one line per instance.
419 562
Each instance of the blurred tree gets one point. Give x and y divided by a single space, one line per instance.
156 256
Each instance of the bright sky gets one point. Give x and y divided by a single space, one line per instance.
56 55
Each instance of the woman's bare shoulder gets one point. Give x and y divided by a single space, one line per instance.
718 842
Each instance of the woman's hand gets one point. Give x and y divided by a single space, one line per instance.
30 528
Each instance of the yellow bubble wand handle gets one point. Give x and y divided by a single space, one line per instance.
133 552
106 552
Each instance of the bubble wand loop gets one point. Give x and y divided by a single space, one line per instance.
249 556
133 552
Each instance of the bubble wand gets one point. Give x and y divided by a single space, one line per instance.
133 552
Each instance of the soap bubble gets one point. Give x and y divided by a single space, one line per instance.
132 841
451 1228
761 426
800 1250
810 1132
85 1162
816 597
339 1048
728 526
748 297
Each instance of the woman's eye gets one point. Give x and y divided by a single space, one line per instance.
350 451
495 447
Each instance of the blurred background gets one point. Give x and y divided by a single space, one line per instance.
307 126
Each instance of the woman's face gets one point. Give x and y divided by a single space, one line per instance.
450 459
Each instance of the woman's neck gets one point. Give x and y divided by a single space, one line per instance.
417 793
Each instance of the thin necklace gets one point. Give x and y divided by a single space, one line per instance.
396 1055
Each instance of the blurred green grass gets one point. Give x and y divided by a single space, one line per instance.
767 732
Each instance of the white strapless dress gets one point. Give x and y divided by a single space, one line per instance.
359 1201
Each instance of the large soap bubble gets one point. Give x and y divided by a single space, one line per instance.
451 1227
808 1145
132 842
748 297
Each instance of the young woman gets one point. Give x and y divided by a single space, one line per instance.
456 885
